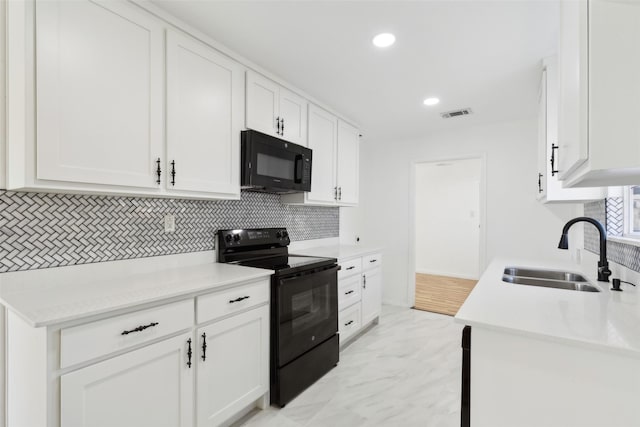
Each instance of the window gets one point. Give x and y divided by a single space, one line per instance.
632 211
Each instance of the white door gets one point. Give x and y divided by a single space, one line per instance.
234 369
149 387
100 93
573 138
205 96
262 104
371 294
348 159
293 117
323 141
447 218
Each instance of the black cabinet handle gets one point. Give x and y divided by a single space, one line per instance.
281 126
351 268
278 125
339 193
539 183
139 328
335 193
373 260
204 346
364 283
348 323
189 353
554 171
347 293
239 299
158 171
173 172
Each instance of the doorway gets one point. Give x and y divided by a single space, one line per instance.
448 232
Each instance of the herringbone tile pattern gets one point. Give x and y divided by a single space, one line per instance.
40 230
611 213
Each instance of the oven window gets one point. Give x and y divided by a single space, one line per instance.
276 167
309 308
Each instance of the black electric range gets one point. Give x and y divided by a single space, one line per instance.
304 306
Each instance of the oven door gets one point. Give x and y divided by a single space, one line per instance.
307 312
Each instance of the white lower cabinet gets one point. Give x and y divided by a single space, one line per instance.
371 294
152 386
359 294
157 367
233 371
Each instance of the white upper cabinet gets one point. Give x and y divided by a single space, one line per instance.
335 165
599 92
323 140
348 163
205 103
549 186
99 93
274 110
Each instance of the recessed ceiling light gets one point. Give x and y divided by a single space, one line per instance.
431 101
384 40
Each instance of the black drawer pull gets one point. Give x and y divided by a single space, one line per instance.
204 346
348 323
189 353
140 328
347 293
238 299
351 268
373 260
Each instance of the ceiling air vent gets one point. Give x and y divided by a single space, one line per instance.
456 113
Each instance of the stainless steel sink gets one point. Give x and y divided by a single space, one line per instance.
558 284
544 274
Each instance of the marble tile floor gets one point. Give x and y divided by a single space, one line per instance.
403 372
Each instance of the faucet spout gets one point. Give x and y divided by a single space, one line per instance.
603 264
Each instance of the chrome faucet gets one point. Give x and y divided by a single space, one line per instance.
603 264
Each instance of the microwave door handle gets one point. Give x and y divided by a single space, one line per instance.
298 169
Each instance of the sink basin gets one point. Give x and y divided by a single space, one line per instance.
546 283
544 274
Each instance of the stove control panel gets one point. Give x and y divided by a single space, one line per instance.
246 238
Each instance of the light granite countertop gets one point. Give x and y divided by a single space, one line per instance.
604 319
56 295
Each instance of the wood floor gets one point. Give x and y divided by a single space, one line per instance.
441 294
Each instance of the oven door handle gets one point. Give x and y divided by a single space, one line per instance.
333 269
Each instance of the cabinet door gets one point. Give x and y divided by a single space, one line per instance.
542 137
234 370
262 104
323 141
371 295
99 86
205 96
348 163
293 116
150 387
574 87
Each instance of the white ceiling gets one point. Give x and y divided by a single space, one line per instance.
479 54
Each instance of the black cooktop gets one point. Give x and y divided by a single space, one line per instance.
285 264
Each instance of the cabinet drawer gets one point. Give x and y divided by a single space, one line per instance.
349 291
349 322
371 261
229 301
95 339
350 267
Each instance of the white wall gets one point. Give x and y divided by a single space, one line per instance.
517 225
447 218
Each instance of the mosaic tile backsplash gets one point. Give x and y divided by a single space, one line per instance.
41 230
609 213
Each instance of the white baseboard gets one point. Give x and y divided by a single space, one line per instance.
446 273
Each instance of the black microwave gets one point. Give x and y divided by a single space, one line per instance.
273 165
